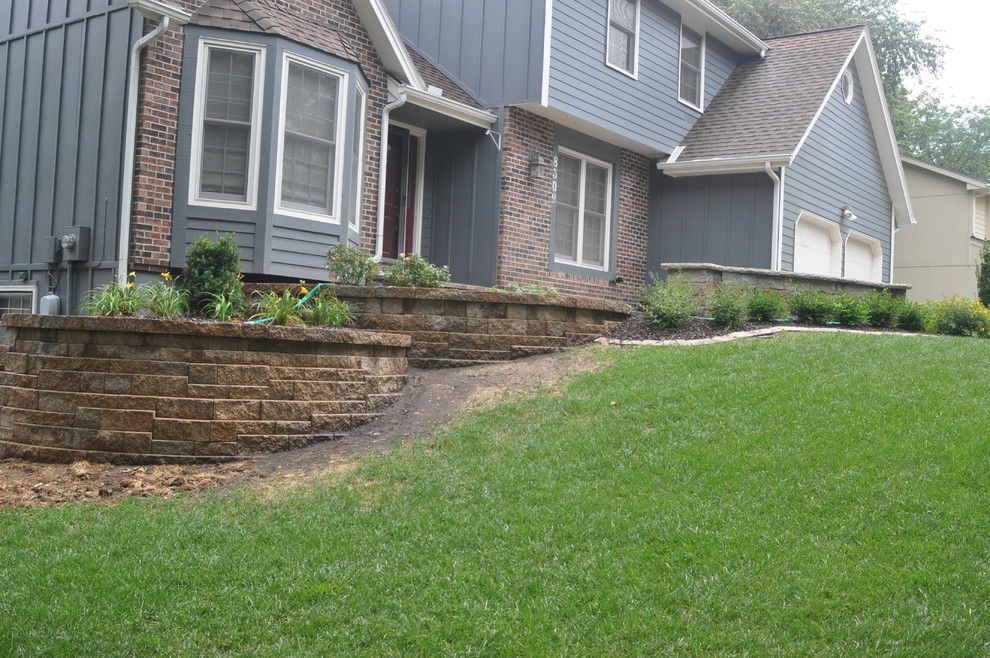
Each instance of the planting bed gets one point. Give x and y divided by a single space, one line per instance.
127 390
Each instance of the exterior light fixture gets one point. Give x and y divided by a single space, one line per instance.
848 215
537 166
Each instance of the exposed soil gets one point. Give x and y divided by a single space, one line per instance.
431 400
637 328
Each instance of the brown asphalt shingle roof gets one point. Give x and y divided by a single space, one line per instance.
432 75
766 106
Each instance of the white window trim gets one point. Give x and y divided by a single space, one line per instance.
199 112
338 167
848 94
355 222
607 238
420 135
704 60
986 218
875 246
634 74
22 288
838 255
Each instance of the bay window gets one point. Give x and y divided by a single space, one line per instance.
583 211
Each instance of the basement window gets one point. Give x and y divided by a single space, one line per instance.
17 300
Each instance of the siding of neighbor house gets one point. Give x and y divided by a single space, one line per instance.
492 47
647 109
269 242
63 82
839 166
726 220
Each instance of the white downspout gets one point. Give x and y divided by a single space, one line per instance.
382 161
777 214
130 139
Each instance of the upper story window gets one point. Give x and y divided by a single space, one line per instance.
583 210
226 128
309 157
691 87
623 35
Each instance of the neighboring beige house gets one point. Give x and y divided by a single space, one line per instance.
938 255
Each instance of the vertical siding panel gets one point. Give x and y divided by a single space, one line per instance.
48 139
94 52
10 147
28 154
69 125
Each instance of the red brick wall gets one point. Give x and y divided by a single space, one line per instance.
154 175
526 214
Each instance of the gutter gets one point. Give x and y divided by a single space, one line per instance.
716 166
166 15
778 214
382 159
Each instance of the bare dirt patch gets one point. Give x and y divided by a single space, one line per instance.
430 401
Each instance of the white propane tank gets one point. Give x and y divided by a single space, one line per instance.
50 304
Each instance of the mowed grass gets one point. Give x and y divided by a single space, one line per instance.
812 494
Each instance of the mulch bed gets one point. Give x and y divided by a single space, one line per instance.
637 328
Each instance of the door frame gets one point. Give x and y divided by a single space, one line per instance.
420 135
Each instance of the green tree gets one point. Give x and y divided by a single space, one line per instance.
955 138
983 275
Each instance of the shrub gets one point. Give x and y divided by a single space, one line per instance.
324 309
912 317
983 275
163 298
766 306
350 266
113 299
225 306
882 308
212 266
274 308
531 289
850 310
414 271
811 306
730 306
667 303
958 316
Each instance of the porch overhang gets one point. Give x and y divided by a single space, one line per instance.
436 103
718 166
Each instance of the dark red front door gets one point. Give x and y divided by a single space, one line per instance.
393 192
409 244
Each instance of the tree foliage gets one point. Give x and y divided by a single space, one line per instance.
955 138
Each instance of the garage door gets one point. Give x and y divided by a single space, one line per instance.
862 260
815 249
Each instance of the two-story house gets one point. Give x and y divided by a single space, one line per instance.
570 143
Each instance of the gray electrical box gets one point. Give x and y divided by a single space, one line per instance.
75 244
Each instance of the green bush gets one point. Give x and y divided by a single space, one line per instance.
163 298
730 306
414 271
850 310
212 266
113 299
811 306
883 308
350 266
667 303
531 289
983 275
766 306
912 317
325 309
959 316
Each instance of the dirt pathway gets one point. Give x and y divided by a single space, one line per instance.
431 400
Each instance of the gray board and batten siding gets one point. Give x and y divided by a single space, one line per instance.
63 87
839 166
270 243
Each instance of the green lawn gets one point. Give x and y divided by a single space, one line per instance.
813 494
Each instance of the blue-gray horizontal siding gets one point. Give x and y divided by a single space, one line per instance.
646 109
63 81
492 47
726 220
838 167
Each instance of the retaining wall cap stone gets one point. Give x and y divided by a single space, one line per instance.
684 267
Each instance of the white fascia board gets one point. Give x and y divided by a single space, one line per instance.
718 166
704 15
156 10
448 107
387 42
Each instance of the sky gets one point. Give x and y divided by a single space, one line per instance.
963 26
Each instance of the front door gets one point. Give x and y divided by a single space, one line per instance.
401 175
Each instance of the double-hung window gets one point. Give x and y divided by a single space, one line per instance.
310 141
623 35
583 211
226 130
691 88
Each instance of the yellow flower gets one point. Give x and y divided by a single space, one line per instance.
303 290
129 285
132 274
167 276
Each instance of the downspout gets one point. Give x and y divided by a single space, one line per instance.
130 139
777 216
382 160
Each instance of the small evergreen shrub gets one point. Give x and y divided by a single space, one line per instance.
164 299
730 306
883 308
811 306
326 310
212 266
667 303
850 310
983 275
912 317
114 299
414 271
958 316
350 266
766 306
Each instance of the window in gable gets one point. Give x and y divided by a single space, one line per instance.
691 87
623 35
848 87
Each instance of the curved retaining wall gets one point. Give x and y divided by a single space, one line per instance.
130 390
708 275
459 326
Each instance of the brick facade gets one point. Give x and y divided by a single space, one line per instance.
158 114
526 214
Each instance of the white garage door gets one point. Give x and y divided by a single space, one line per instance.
862 260
815 250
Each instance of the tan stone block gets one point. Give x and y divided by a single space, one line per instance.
285 410
185 408
202 373
237 409
182 430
